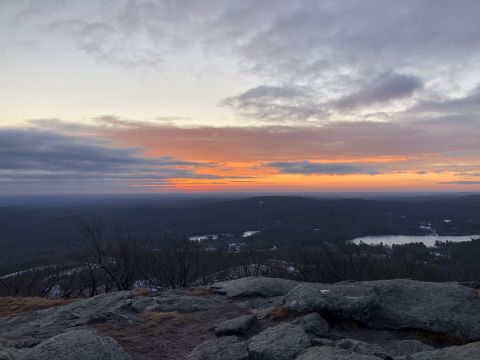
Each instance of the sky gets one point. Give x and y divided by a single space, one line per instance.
135 96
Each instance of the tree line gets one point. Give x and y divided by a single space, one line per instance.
103 262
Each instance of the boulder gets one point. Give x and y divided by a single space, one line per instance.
97 308
466 352
241 325
45 323
313 324
76 345
220 349
446 308
406 347
281 342
332 353
346 300
254 287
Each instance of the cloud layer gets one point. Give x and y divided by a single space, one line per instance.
382 89
242 91
33 156
308 168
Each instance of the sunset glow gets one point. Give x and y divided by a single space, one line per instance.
161 96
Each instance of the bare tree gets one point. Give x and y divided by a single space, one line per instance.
120 258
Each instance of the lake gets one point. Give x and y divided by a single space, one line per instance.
428 240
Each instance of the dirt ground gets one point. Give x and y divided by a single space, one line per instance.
169 335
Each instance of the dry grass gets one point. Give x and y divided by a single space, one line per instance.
159 317
280 313
16 305
168 335
141 292
199 291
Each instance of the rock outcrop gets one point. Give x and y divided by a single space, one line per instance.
446 308
257 319
183 304
241 325
406 347
76 345
254 287
465 352
313 324
331 353
220 349
281 342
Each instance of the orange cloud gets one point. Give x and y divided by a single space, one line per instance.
376 156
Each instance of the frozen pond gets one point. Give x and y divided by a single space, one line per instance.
428 240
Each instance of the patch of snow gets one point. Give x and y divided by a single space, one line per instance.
428 227
292 270
207 237
203 237
236 247
250 233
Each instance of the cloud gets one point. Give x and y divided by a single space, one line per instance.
30 155
384 88
468 104
328 142
286 38
304 60
301 103
461 182
308 168
116 156
365 36
275 103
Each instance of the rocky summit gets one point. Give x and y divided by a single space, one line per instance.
257 318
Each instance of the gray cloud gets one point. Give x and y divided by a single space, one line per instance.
370 168
467 104
384 88
363 35
289 37
29 155
33 149
309 168
275 103
328 52
461 182
295 103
